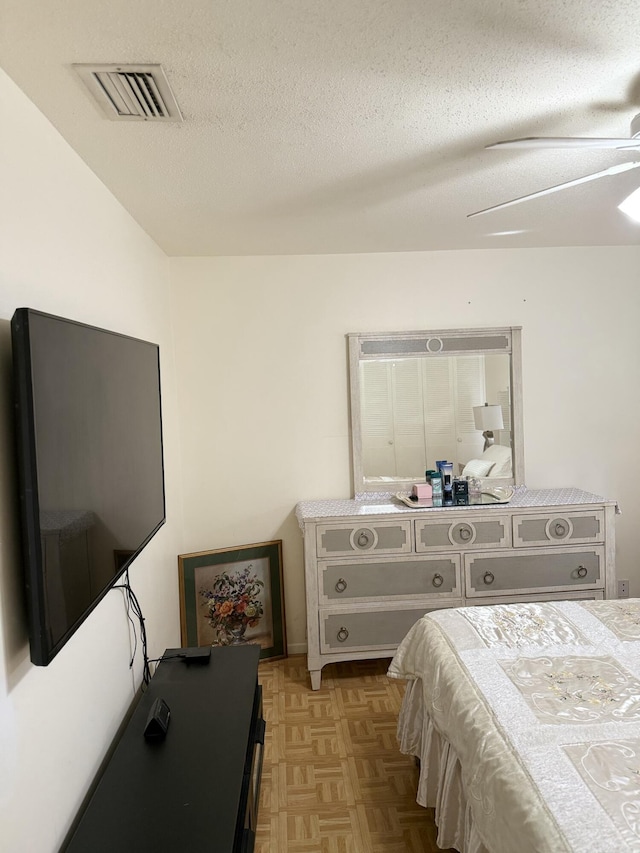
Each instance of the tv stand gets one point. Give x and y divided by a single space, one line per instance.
198 788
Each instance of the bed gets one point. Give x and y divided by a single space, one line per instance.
525 719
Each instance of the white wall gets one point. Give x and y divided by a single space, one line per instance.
262 366
68 248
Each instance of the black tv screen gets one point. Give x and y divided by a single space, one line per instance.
90 465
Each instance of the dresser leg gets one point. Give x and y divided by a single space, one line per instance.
316 676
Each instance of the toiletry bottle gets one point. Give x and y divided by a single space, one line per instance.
475 490
460 492
446 469
436 485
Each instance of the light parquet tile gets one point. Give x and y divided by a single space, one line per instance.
382 778
333 778
310 785
370 735
313 740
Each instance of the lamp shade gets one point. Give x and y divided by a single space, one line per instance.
488 417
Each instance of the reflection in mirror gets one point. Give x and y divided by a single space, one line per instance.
420 397
416 410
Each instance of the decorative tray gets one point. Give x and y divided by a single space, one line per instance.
499 495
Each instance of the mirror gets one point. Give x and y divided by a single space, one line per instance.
420 397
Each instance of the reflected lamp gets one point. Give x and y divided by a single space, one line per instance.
488 418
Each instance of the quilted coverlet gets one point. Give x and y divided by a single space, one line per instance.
534 709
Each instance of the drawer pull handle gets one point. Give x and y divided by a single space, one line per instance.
341 585
363 540
560 529
438 580
465 534
582 572
488 578
343 634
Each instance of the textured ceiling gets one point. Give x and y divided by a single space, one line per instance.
315 126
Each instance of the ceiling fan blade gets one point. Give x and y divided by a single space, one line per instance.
612 170
567 142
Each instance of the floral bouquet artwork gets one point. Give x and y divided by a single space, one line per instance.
234 605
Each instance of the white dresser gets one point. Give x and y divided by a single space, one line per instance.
373 566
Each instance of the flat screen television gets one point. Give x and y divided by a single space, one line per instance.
90 465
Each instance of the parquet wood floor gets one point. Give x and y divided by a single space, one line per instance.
333 778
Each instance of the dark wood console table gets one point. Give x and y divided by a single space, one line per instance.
198 788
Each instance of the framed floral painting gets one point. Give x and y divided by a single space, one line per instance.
233 596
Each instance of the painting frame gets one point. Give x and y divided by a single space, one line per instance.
198 573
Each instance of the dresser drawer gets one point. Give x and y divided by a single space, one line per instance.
367 630
581 595
558 528
382 537
388 578
533 571
489 532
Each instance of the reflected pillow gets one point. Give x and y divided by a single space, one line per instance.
478 468
501 456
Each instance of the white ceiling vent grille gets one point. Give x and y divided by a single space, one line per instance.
131 92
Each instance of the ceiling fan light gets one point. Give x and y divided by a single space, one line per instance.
631 205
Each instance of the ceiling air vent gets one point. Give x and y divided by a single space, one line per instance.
131 92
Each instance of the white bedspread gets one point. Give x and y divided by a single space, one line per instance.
526 718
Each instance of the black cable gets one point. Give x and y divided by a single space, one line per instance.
133 624
133 606
169 657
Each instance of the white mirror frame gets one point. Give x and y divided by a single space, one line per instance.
432 344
